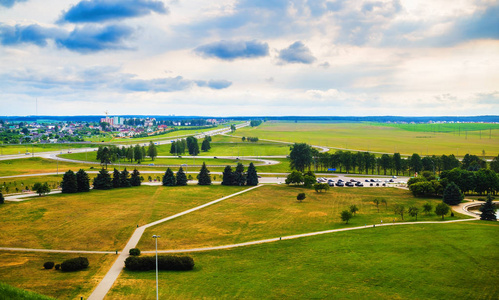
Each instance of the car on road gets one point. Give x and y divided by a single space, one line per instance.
150 164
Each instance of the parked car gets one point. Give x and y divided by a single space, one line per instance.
349 184
339 183
391 180
353 180
359 184
384 184
367 180
377 184
372 180
330 183
371 184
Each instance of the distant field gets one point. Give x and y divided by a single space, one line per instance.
454 128
35 165
427 261
36 148
379 138
273 211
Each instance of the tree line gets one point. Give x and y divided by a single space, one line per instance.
254 123
249 139
190 144
80 182
109 154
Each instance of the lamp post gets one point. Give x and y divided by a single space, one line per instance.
156 237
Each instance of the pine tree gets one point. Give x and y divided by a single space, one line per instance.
152 152
124 179
204 177
252 177
238 176
452 194
169 178
82 181
488 210
116 179
181 178
227 176
68 183
137 153
205 146
135 180
173 149
103 180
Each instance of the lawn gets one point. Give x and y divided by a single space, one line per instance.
36 148
375 137
36 165
427 261
273 211
25 270
98 220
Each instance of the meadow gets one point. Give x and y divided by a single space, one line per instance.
427 261
272 211
374 137
36 148
36 165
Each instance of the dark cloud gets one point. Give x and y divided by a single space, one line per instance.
91 39
10 3
484 24
105 10
29 34
230 50
297 53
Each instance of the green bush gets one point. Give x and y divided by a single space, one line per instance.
74 264
48 265
134 252
165 262
57 266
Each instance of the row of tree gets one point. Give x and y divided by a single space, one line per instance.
249 139
108 154
103 180
190 144
254 123
75 183
239 177
169 179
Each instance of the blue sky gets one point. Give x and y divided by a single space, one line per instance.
249 57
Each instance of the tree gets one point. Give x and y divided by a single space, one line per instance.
152 152
309 180
346 216
243 138
300 156
300 197
227 176
397 163
135 179
383 201
192 145
205 146
386 162
295 177
173 148
452 194
252 175
169 178
232 127
415 163
488 210
2 199
41 189
399 209
181 178
105 156
321 187
204 177
124 180
137 153
427 208
442 209
376 201
413 211
69 184
238 177
494 164
130 153
354 209
103 180
116 179
82 181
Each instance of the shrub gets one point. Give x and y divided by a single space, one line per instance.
57 266
134 251
165 262
300 197
48 265
74 264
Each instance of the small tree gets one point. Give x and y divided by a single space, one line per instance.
227 176
116 179
2 199
321 187
346 216
82 181
238 177
300 197
69 184
204 177
135 180
354 209
124 180
252 176
169 178
41 189
181 178
152 152
442 209
399 209
205 146
452 194
427 208
488 210
295 177
103 180
413 211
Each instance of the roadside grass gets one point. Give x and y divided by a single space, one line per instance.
374 137
36 148
272 211
424 261
35 165
97 220
25 270
13 293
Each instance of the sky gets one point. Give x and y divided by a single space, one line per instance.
249 57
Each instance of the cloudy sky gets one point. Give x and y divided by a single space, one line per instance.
249 57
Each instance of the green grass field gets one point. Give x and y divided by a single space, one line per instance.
36 148
273 211
36 165
98 220
13 293
427 261
375 137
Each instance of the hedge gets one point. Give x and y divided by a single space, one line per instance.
74 264
165 262
134 252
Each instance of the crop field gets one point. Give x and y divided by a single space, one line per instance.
273 211
97 220
377 138
427 261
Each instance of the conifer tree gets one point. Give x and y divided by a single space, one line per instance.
252 177
181 178
124 179
238 176
103 180
116 179
204 177
227 176
68 183
173 149
152 152
135 180
452 194
205 146
82 181
488 210
169 178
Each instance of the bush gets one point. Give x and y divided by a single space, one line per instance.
74 264
134 252
48 265
57 266
165 262
300 197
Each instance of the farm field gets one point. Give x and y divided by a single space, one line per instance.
97 220
377 138
273 211
427 261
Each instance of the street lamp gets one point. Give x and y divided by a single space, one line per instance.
156 237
